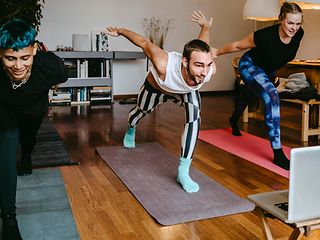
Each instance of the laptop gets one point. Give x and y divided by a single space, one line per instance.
302 201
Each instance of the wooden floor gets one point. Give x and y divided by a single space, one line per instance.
104 208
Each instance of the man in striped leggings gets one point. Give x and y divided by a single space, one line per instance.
177 78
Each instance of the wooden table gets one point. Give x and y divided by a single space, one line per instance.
310 68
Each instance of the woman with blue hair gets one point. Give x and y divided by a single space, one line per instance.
26 76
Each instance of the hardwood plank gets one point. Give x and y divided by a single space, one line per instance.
105 209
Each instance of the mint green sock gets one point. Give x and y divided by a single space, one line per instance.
183 176
128 140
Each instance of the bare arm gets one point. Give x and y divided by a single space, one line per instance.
205 25
236 46
157 56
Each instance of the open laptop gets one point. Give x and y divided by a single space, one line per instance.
302 201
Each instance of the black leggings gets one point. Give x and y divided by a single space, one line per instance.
28 128
9 140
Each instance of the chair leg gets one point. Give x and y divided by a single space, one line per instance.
305 122
318 106
266 229
245 115
297 234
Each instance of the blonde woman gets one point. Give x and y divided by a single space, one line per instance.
270 49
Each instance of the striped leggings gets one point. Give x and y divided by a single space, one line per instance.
149 98
259 83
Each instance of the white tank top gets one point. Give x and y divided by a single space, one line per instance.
174 82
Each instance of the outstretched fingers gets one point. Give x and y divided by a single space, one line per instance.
112 31
199 18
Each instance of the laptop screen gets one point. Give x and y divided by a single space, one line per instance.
304 184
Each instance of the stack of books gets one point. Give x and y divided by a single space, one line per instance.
100 95
59 97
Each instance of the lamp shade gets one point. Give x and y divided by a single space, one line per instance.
261 10
307 4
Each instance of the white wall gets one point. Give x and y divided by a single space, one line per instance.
62 18
129 76
310 47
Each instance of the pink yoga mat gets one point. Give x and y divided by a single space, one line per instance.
254 149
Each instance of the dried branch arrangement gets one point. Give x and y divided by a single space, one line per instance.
156 29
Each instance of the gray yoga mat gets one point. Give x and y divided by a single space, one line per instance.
149 172
43 209
49 150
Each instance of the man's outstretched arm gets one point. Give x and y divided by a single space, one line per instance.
157 55
205 25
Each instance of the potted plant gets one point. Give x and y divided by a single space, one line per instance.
28 10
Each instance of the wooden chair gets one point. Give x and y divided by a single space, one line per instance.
235 64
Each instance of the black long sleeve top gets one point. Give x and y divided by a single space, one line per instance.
31 98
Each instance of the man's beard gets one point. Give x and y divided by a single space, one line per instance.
191 75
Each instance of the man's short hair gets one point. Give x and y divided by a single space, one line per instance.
16 34
195 45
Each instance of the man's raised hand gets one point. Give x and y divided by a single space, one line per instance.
112 31
199 18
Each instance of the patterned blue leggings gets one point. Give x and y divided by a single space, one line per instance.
259 83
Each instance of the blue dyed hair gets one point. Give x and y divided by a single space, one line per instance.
16 34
